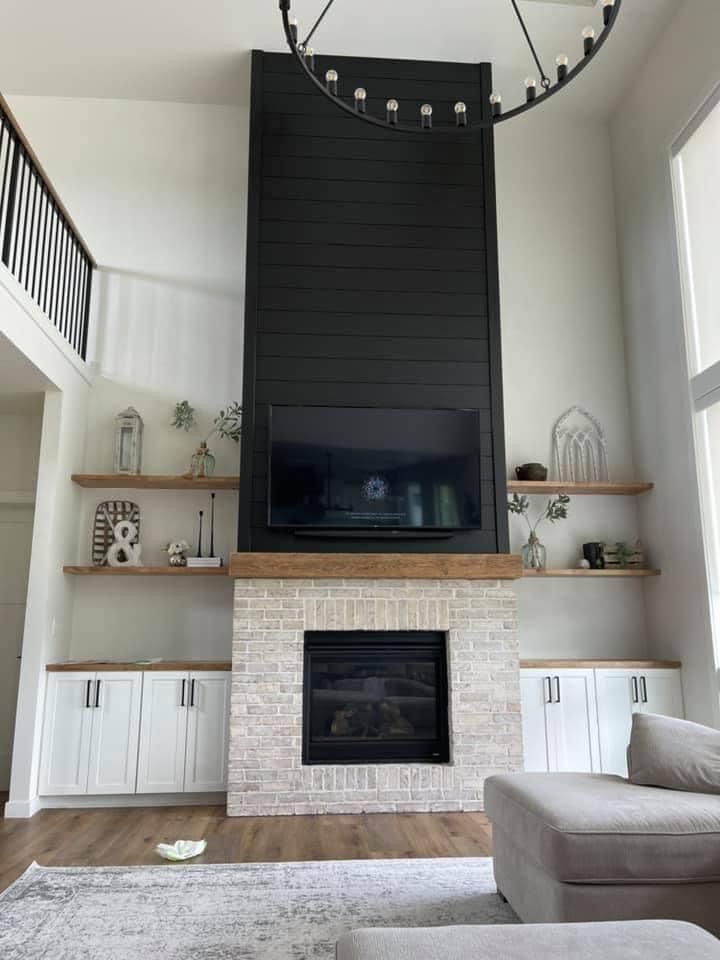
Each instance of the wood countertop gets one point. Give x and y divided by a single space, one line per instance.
601 664
375 566
85 666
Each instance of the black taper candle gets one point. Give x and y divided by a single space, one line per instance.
212 525
199 549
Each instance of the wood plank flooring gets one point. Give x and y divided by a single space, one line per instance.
124 837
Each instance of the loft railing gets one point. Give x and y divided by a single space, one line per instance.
39 243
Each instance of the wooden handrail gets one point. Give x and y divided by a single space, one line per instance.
46 179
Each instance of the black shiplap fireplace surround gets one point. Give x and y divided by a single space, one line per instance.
375 697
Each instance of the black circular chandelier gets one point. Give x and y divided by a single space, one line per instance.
304 53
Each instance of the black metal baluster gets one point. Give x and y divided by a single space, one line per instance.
25 214
86 311
31 233
8 151
71 294
10 210
66 275
38 243
18 210
52 312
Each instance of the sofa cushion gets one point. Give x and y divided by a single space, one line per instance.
677 754
632 940
592 828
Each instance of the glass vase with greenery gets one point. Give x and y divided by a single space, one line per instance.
226 425
534 554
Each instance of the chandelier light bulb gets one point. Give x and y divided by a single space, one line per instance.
608 8
309 55
562 62
496 104
460 109
530 88
294 29
331 82
588 36
392 107
426 112
360 99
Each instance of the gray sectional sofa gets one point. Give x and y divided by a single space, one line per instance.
585 847
652 939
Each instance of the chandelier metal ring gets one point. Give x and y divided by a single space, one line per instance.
305 57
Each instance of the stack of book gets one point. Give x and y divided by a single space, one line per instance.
204 562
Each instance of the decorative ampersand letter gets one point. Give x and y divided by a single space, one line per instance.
124 552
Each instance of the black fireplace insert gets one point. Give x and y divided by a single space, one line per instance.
375 697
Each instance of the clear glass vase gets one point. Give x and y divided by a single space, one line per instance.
203 462
534 555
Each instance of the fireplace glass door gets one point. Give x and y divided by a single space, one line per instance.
375 697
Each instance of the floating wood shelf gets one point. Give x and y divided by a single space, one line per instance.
122 481
90 571
579 572
142 666
603 488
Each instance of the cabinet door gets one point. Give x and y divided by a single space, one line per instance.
163 725
115 731
661 692
572 722
67 726
617 699
207 732
535 696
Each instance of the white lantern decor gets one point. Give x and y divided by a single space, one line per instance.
128 442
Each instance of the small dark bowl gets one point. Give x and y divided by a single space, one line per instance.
532 471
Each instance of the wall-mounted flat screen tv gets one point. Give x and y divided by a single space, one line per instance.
370 468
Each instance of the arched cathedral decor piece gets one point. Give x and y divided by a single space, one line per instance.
579 449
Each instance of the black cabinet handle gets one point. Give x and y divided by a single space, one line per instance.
557 689
97 693
182 695
192 692
643 689
635 698
548 681
88 688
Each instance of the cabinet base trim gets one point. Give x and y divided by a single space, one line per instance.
131 800
22 809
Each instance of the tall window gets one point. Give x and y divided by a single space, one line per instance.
696 174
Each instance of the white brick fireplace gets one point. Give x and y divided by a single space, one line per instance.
266 774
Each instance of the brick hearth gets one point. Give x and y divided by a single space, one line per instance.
266 775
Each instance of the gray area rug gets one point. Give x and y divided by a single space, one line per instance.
266 911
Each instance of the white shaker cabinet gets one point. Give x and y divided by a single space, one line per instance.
120 732
207 733
559 720
621 692
183 736
90 733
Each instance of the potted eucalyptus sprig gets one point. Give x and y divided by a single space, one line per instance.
534 553
226 425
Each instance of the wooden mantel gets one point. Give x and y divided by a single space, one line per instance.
375 566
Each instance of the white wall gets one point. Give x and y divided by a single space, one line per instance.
158 190
48 622
563 344
671 87
20 426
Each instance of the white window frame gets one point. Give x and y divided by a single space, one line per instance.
704 384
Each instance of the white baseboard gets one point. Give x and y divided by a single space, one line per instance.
132 800
21 809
